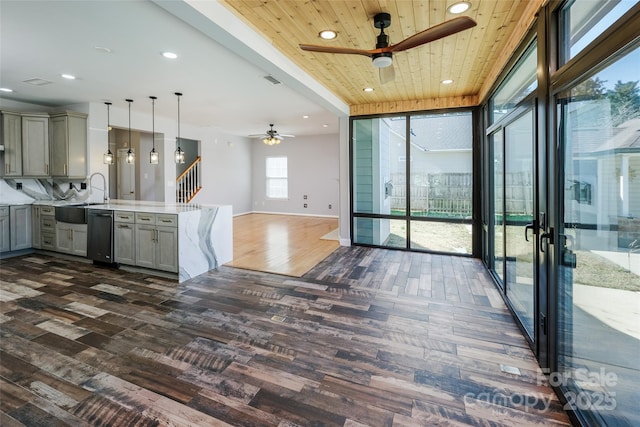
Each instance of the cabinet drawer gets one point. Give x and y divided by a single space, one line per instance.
47 210
4 210
167 220
124 216
145 218
48 224
48 241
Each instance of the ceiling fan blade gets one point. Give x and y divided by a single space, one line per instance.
285 135
436 32
332 49
387 74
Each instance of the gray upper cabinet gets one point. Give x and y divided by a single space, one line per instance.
35 144
12 141
68 144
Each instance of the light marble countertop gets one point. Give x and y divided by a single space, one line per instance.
130 205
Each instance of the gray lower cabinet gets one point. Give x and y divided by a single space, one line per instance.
71 238
5 236
20 227
157 245
47 228
38 214
124 238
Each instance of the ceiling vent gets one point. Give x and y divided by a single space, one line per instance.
272 80
38 82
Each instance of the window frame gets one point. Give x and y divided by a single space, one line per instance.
270 178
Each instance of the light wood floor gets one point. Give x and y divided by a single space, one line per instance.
282 244
369 337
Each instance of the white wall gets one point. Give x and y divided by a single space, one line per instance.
226 170
313 170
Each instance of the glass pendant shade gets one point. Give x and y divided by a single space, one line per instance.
154 157
179 153
131 157
107 157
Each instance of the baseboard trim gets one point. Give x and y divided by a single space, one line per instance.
293 214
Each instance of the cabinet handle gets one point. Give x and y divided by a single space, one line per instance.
123 226
65 169
165 220
46 167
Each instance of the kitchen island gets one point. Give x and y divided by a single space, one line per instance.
200 236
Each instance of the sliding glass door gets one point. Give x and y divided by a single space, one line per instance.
515 261
598 245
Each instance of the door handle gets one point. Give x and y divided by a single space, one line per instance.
526 230
548 236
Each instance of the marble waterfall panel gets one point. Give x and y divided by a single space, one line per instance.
205 239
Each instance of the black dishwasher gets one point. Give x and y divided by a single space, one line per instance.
100 236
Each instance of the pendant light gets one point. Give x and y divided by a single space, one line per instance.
131 156
153 155
107 158
179 154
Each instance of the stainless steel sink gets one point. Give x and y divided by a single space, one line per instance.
72 214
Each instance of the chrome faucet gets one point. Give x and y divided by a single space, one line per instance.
105 197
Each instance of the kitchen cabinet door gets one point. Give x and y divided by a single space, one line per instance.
68 144
63 237
20 227
79 239
35 227
5 242
35 145
167 249
124 243
145 246
12 141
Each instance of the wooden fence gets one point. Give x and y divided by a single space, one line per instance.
450 194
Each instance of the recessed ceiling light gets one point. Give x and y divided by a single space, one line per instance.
459 7
368 89
68 76
328 34
325 125
5 89
305 117
447 82
169 55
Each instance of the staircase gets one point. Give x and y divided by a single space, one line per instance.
188 182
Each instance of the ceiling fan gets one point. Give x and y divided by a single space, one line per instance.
382 55
271 137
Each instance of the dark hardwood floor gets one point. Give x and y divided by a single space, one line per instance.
367 337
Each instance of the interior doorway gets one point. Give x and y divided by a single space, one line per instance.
140 180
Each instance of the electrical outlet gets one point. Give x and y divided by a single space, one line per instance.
304 197
18 186
305 205
329 206
71 186
83 185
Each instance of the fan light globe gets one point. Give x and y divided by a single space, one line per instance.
382 61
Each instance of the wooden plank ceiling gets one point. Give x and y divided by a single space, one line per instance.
472 59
